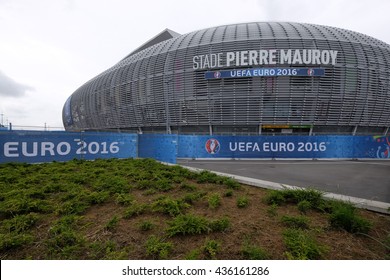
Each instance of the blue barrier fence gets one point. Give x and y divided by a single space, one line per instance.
320 147
31 147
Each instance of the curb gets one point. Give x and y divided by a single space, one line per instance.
372 205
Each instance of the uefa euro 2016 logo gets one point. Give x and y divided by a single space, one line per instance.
212 146
310 72
217 75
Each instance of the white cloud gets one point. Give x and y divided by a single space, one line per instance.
11 88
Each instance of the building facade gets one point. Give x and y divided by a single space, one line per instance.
266 78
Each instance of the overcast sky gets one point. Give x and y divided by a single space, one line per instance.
48 48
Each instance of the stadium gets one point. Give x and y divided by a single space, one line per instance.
265 78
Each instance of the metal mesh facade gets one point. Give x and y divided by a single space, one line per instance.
157 89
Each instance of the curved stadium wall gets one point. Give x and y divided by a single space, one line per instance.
212 82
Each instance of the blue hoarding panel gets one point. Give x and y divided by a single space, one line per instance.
162 147
20 146
284 147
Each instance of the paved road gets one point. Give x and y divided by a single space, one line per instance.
363 179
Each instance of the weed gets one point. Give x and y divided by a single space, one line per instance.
301 246
156 248
242 202
344 216
112 224
295 222
211 248
214 200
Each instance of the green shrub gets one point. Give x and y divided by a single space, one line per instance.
219 225
253 252
209 177
135 210
107 250
64 241
164 185
242 202
169 206
20 223
157 249
314 197
113 184
146 225
295 222
188 225
98 197
13 240
231 183
146 184
301 246
274 197
124 199
214 200
272 210
304 206
20 205
188 187
73 207
192 197
229 193
193 255
344 216
211 248
112 223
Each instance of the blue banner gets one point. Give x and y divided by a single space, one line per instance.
19 146
284 147
264 72
162 147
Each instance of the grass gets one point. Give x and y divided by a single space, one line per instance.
141 209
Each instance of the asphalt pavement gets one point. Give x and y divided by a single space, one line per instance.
362 179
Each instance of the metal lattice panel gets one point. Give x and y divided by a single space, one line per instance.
156 89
